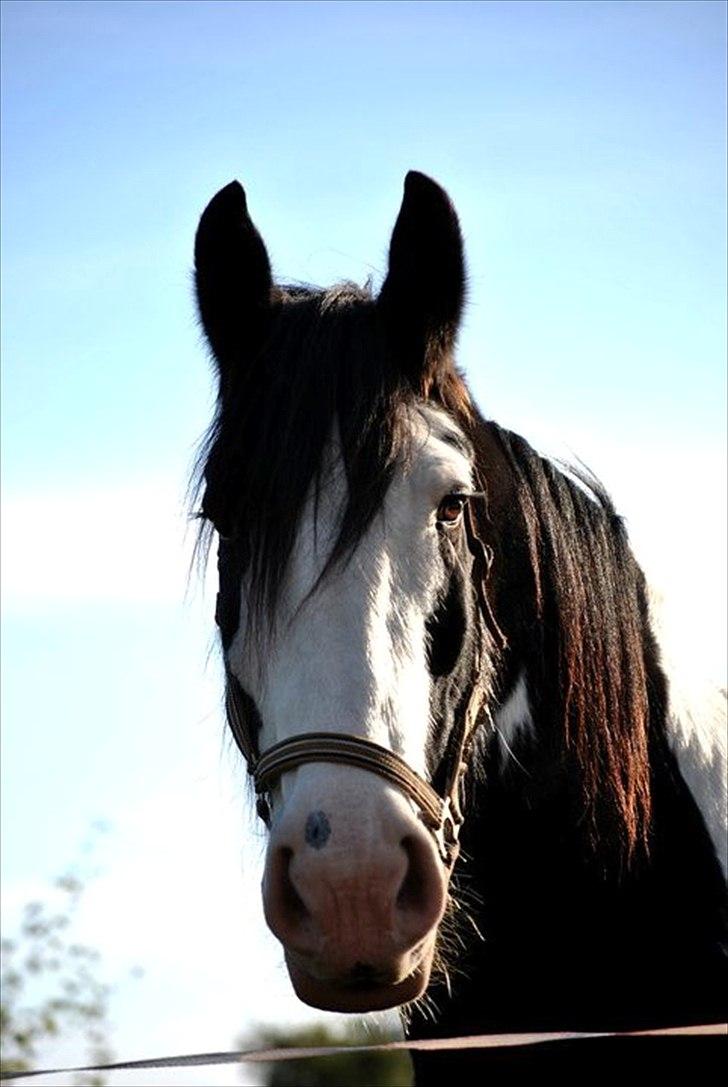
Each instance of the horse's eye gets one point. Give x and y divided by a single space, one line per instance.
450 509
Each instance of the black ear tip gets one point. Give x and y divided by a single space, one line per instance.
415 180
228 201
233 191
421 188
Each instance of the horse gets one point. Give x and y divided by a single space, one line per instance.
441 669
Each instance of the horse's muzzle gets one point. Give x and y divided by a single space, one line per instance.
355 889
360 994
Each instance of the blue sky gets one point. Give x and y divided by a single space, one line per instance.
584 147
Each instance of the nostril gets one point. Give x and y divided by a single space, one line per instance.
290 900
421 892
411 889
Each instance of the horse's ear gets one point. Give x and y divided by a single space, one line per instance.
233 280
422 297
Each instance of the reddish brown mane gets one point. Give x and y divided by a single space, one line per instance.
598 665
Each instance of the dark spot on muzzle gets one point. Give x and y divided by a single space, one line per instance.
318 829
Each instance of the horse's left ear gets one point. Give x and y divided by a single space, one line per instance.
422 298
233 281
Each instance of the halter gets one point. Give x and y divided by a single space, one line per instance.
441 814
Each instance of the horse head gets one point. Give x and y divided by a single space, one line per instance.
340 474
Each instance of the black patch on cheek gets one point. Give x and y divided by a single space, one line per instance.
446 629
318 830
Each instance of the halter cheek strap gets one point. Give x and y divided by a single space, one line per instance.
442 815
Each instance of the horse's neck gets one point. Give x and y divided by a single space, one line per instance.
571 940
573 935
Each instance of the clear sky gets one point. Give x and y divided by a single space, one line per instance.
584 147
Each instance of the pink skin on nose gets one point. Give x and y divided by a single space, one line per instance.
355 894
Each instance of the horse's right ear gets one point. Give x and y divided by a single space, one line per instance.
422 297
233 280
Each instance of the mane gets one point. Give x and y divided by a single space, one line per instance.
323 372
601 691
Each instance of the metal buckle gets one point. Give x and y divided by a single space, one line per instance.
448 833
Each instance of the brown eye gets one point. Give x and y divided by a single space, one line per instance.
450 509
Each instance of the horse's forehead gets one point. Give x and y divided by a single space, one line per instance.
439 460
439 446
437 451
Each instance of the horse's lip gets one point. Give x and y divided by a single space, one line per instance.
355 994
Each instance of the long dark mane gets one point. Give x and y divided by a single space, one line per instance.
319 370
323 371
593 660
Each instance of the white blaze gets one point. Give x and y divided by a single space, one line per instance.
352 655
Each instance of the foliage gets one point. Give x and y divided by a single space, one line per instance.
356 1069
50 988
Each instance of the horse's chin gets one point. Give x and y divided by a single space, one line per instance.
359 995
